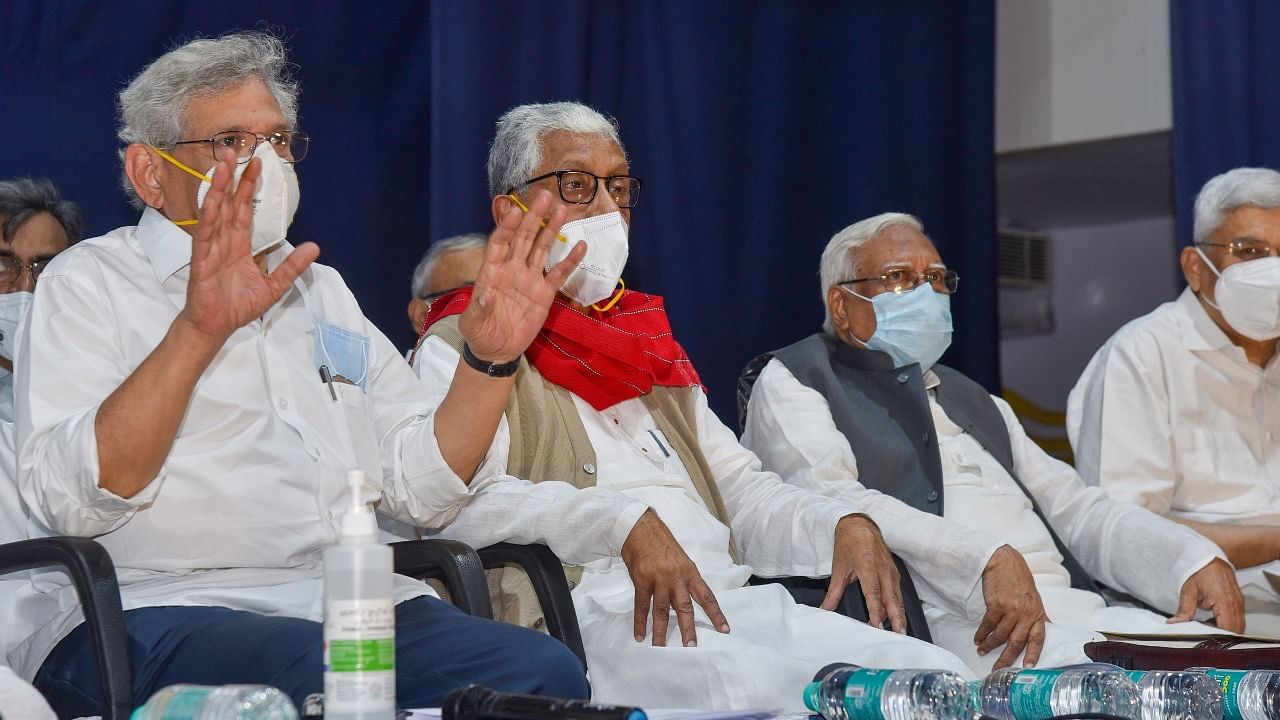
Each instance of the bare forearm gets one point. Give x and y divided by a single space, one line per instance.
468 418
1245 545
136 424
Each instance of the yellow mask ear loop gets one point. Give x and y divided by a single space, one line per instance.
201 176
622 288
521 205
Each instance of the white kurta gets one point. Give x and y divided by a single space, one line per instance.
790 427
774 646
251 492
1172 416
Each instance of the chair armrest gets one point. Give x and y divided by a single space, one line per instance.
811 591
451 561
546 574
94 577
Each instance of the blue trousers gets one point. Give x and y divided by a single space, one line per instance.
438 649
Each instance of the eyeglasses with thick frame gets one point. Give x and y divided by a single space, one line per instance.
903 280
11 267
291 146
1245 249
574 184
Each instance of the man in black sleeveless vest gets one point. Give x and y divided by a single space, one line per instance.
1002 538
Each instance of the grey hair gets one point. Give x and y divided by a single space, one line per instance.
153 106
838 262
439 249
517 146
23 198
1230 190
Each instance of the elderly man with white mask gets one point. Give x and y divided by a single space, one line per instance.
606 451
1001 538
193 390
1179 411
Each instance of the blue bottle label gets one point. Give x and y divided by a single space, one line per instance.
1031 695
185 703
862 694
1229 682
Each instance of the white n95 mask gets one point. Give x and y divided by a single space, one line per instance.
14 307
1248 295
597 275
275 200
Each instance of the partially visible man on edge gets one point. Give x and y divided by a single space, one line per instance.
1179 411
35 224
447 265
193 391
607 452
1001 538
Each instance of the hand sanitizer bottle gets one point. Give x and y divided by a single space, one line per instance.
359 618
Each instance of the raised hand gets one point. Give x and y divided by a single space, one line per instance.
666 579
512 295
860 554
227 289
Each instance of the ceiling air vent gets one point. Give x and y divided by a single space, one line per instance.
1023 258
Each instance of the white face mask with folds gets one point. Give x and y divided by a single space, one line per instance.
596 277
275 200
1248 296
13 310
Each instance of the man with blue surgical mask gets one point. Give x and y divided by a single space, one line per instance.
1002 539
1179 411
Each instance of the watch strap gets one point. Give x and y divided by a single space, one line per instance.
495 370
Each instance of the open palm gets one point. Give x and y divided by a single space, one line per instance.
227 289
512 294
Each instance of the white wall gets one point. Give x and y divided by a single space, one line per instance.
1104 276
1076 70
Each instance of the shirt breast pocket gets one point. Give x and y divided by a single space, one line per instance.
344 353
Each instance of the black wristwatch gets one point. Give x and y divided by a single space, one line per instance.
494 370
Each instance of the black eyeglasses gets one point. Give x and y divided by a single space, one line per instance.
579 187
11 268
289 145
901 280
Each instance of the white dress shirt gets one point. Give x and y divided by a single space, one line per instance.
1171 415
780 530
790 427
251 491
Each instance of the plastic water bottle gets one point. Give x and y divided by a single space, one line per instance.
850 692
1034 694
359 618
1247 694
226 702
1185 695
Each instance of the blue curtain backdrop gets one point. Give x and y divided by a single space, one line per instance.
1226 101
760 129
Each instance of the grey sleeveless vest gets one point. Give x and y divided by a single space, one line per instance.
884 413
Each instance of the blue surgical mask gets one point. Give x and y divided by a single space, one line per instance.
914 327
